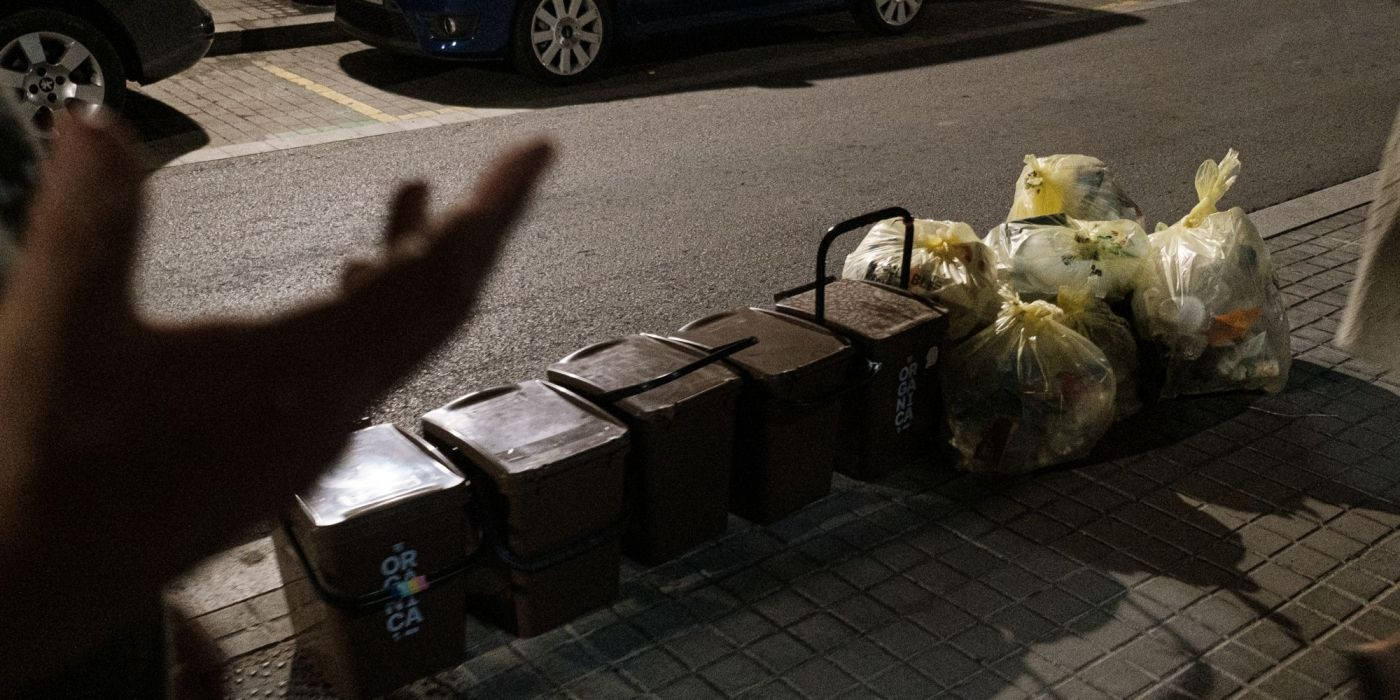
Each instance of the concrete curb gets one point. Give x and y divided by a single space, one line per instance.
312 29
1295 213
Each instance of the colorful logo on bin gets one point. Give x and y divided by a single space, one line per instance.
402 616
413 586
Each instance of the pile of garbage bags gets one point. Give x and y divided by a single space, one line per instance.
1069 314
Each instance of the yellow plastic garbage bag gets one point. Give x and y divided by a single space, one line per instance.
1039 256
1208 300
1026 392
1092 318
1074 185
949 265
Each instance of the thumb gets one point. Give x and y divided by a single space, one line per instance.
84 223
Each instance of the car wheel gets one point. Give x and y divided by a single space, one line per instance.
563 41
888 16
51 61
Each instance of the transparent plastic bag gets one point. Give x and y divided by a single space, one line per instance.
1208 300
1027 392
1039 256
1078 186
949 265
1093 319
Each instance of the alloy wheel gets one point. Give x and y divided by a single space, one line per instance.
49 71
897 12
566 35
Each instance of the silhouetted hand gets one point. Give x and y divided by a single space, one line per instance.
128 450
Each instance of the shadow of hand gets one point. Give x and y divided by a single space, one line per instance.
132 450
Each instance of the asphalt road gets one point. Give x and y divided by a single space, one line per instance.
700 176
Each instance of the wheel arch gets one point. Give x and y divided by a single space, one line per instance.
99 16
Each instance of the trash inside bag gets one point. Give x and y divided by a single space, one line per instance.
1093 319
1039 256
949 265
1208 300
1027 392
1077 186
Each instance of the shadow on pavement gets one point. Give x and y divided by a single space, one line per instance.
1160 564
785 55
166 132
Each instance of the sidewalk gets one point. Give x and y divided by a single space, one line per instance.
1226 546
260 25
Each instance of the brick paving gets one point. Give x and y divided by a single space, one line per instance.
238 13
1228 546
257 102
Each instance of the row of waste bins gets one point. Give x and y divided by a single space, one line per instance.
517 502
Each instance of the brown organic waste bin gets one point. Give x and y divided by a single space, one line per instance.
371 558
790 409
679 405
548 469
897 416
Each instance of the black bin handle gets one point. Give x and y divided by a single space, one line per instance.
337 598
712 355
860 222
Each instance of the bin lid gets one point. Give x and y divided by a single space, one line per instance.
525 431
787 347
380 467
868 310
634 359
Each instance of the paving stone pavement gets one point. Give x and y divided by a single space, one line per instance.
1228 546
240 13
257 102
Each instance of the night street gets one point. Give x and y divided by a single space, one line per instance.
1238 544
706 185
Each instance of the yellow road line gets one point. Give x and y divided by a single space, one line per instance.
350 102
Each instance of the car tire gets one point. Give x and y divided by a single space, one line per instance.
562 42
51 60
888 16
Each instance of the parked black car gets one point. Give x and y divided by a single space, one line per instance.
78 54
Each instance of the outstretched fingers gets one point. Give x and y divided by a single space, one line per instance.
479 222
358 346
443 267
408 216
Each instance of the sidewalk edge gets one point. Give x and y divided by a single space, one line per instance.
286 33
1301 211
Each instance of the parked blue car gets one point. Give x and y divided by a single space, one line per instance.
567 41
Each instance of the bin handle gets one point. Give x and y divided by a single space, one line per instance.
558 556
860 222
345 601
712 356
872 368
